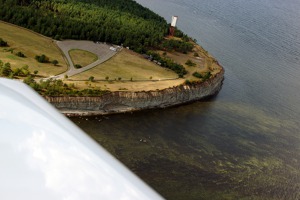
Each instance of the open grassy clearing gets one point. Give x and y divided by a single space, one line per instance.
125 71
204 62
126 65
31 44
82 57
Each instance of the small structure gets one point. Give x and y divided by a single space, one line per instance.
113 48
173 25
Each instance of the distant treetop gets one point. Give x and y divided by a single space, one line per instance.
112 21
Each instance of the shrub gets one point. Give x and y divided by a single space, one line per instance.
204 76
91 78
5 70
190 63
3 43
42 58
197 75
187 82
177 45
77 66
54 62
20 54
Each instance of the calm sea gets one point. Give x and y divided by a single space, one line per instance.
242 144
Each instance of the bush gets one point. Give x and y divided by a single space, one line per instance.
204 76
54 62
77 66
5 70
20 54
168 63
197 75
3 43
91 79
42 58
187 82
190 63
177 45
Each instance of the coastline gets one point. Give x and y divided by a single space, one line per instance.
126 101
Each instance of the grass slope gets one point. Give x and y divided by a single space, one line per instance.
126 65
82 57
31 44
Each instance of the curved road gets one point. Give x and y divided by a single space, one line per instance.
102 50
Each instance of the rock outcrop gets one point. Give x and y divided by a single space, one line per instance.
117 102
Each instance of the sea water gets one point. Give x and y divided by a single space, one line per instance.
245 142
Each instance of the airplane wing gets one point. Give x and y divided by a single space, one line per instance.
45 156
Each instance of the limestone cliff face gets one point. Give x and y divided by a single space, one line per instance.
131 101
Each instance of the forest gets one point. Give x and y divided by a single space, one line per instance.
118 22
112 21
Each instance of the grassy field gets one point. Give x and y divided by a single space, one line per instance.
82 57
126 65
31 44
124 71
204 62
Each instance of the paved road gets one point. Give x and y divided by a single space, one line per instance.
100 49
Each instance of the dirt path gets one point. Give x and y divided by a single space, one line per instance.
102 50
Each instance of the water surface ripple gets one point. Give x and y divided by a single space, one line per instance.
242 144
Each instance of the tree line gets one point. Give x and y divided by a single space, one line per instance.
112 21
50 87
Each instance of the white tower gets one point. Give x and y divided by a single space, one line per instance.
173 25
174 21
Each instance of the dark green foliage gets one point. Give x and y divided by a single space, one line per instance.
42 58
52 87
114 21
196 54
54 62
204 76
3 43
190 63
20 54
168 63
177 45
197 74
180 34
91 78
49 87
207 75
5 69
187 82
77 66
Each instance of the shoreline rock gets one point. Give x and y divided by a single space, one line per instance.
126 101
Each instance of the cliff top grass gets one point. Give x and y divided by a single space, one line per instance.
126 71
30 44
127 65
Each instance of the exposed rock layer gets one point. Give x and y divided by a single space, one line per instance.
117 102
